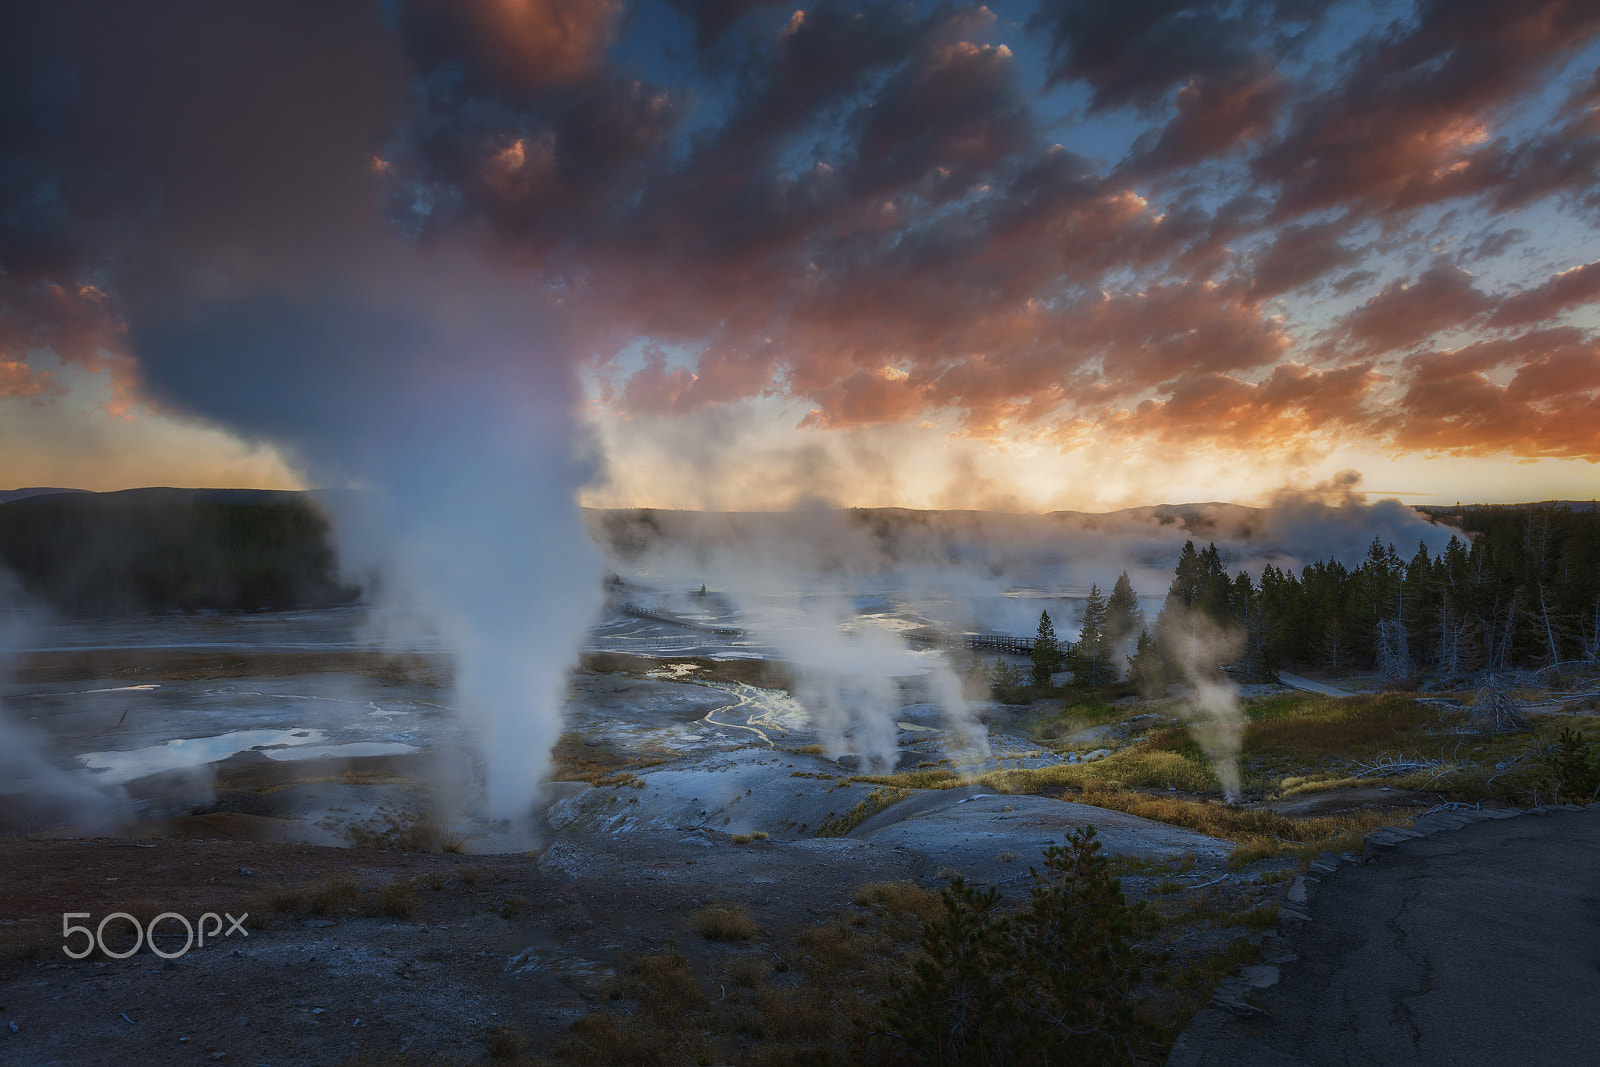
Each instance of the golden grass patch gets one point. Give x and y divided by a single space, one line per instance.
1332 726
834 946
875 802
1293 787
1258 833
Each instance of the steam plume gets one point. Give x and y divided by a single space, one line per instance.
37 793
1195 645
447 399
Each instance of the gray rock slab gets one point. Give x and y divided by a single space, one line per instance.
783 883
972 833
735 792
916 803
643 700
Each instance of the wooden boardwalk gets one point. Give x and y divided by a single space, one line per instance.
674 620
1002 643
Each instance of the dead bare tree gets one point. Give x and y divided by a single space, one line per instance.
1496 710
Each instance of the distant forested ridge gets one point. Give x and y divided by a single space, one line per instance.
154 550
1520 590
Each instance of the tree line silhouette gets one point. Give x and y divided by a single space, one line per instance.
159 550
1517 589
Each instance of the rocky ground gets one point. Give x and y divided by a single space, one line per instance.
685 783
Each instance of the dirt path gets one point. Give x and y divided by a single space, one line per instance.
1473 946
1294 681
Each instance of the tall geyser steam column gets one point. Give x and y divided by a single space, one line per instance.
480 520
443 399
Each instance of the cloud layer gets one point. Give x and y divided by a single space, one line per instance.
1256 226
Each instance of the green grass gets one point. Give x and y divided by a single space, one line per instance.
1256 919
1206 972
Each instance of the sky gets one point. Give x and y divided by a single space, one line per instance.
1052 254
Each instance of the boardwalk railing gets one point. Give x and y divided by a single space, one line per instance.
630 643
1003 643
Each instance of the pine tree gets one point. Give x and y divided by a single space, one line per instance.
1047 656
1124 621
1214 595
1147 667
1188 578
1004 679
1094 651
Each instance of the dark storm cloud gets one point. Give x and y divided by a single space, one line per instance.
176 148
803 75
713 18
509 47
1215 115
879 224
1136 52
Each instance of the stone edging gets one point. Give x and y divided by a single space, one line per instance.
1276 950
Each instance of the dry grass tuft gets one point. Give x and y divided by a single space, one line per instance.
507 1043
459 837
331 896
834 946
666 981
748 971
931 778
1259 834
397 900
1344 727
575 760
335 895
1146 764
724 922
904 898
792 1015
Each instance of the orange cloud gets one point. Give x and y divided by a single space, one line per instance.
1568 289
81 325
1550 407
1404 313
1214 116
1411 125
1292 403
19 381
520 43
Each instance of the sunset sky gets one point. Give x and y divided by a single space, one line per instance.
1043 255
